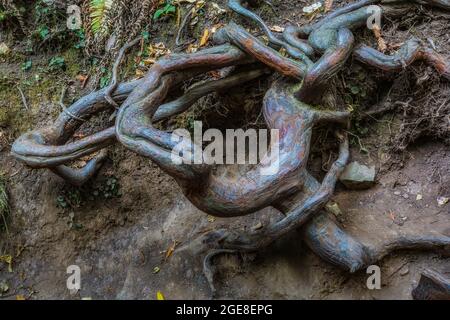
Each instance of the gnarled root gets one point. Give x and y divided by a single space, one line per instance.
432 286
329 241
231 241
114 83
44 148
413 50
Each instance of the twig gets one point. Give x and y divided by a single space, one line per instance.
113 85
63 106
183 25
22 96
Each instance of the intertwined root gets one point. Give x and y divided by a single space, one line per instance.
432 286
315 54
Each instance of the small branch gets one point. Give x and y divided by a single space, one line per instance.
22 96
64 108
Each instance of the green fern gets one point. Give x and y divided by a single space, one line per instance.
98 12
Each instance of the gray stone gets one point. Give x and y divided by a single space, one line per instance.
358 176
4 49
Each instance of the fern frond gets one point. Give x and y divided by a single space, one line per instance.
98 11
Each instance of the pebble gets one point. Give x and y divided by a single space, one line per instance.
404 272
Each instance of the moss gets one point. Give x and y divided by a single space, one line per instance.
72 58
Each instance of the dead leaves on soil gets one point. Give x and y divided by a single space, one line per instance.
8 260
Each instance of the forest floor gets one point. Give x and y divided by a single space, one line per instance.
119 228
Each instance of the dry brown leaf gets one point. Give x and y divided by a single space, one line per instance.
381 43
171 249
8 260
205 37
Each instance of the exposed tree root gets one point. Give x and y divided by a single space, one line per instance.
432 286
315 54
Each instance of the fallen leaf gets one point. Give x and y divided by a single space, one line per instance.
381 43
211 219
8 260
419 197
139 73
312 8
192 48
156 270
81 77
205 37
160 296
217 9
171 249
149 61
334 209
20 297
276 29
392 216
3 287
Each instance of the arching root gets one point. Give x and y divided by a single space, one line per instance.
432 286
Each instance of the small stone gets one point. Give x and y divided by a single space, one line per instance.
312 8
406 196
404 271
4 49
442 201
397 193
334 209
257 226
357 176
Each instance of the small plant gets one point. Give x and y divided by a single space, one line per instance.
166 10
98 12
57 63
26 65
81 37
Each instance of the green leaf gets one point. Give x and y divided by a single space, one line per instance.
354 89
27 65
43 32
166 10
146 35
57 63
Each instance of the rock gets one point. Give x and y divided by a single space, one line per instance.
4 49
357 176
404 271
442 201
